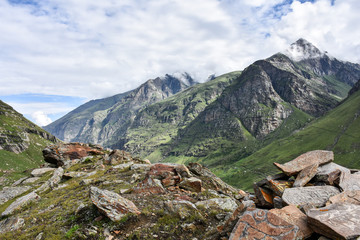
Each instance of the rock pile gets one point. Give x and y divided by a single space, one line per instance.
312 194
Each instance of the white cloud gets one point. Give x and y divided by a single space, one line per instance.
41 118
94 49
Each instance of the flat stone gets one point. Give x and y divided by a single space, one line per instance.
9 193
305 175
123 166
279 186
18 182
184 209
192 184
324 170
30 180
149 186
293 167
140 166
293 215
75 174
352 197
41 171
316 195
20 202
11 224
226 204
264 196
336 221
262 224
53 181
349 182
112 204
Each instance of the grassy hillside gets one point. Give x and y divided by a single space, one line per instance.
339 131
21 143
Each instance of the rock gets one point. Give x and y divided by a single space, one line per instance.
316 195
279 186
61 153
118 156
30 180
20 202
293 215
192 184
305 175
18 182
112 204
264 196
352 197
144 167
11 224
336 221
329 172
262 224
349 182
39 236
9 193
226 204
149 186
123 166
87 181
52 182
69 175
278 202
169 174
293 167
41 171
184 209
219 184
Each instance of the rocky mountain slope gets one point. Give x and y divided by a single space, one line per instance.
87 192
338 130
105 121
21 142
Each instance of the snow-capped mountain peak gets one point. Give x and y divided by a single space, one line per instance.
302 49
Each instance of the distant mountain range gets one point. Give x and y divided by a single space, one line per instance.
174 118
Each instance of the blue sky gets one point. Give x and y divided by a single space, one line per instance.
58 54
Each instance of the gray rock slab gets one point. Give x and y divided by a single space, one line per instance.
112 204
11 224
336 221
30 180
352 197
38 172
305 175
293 167
20 202
349 182
316 196
53 181
226 204
9 193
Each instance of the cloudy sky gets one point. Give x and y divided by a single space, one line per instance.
58 54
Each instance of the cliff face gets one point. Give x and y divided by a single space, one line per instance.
16 131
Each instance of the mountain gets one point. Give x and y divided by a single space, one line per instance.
21 141
271 99
105 121
338 130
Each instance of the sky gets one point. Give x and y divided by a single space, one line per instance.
58 54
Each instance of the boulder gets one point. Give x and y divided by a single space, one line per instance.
262 224
118 156
69 175
112 204
349 182
293 215
305 175
329 172
11 224
293 167
279 186
30 180
184 209
336 221
316 195
61 153
352 197
123 166
38 172
226 204
149 186
9 193
192 184
20 202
